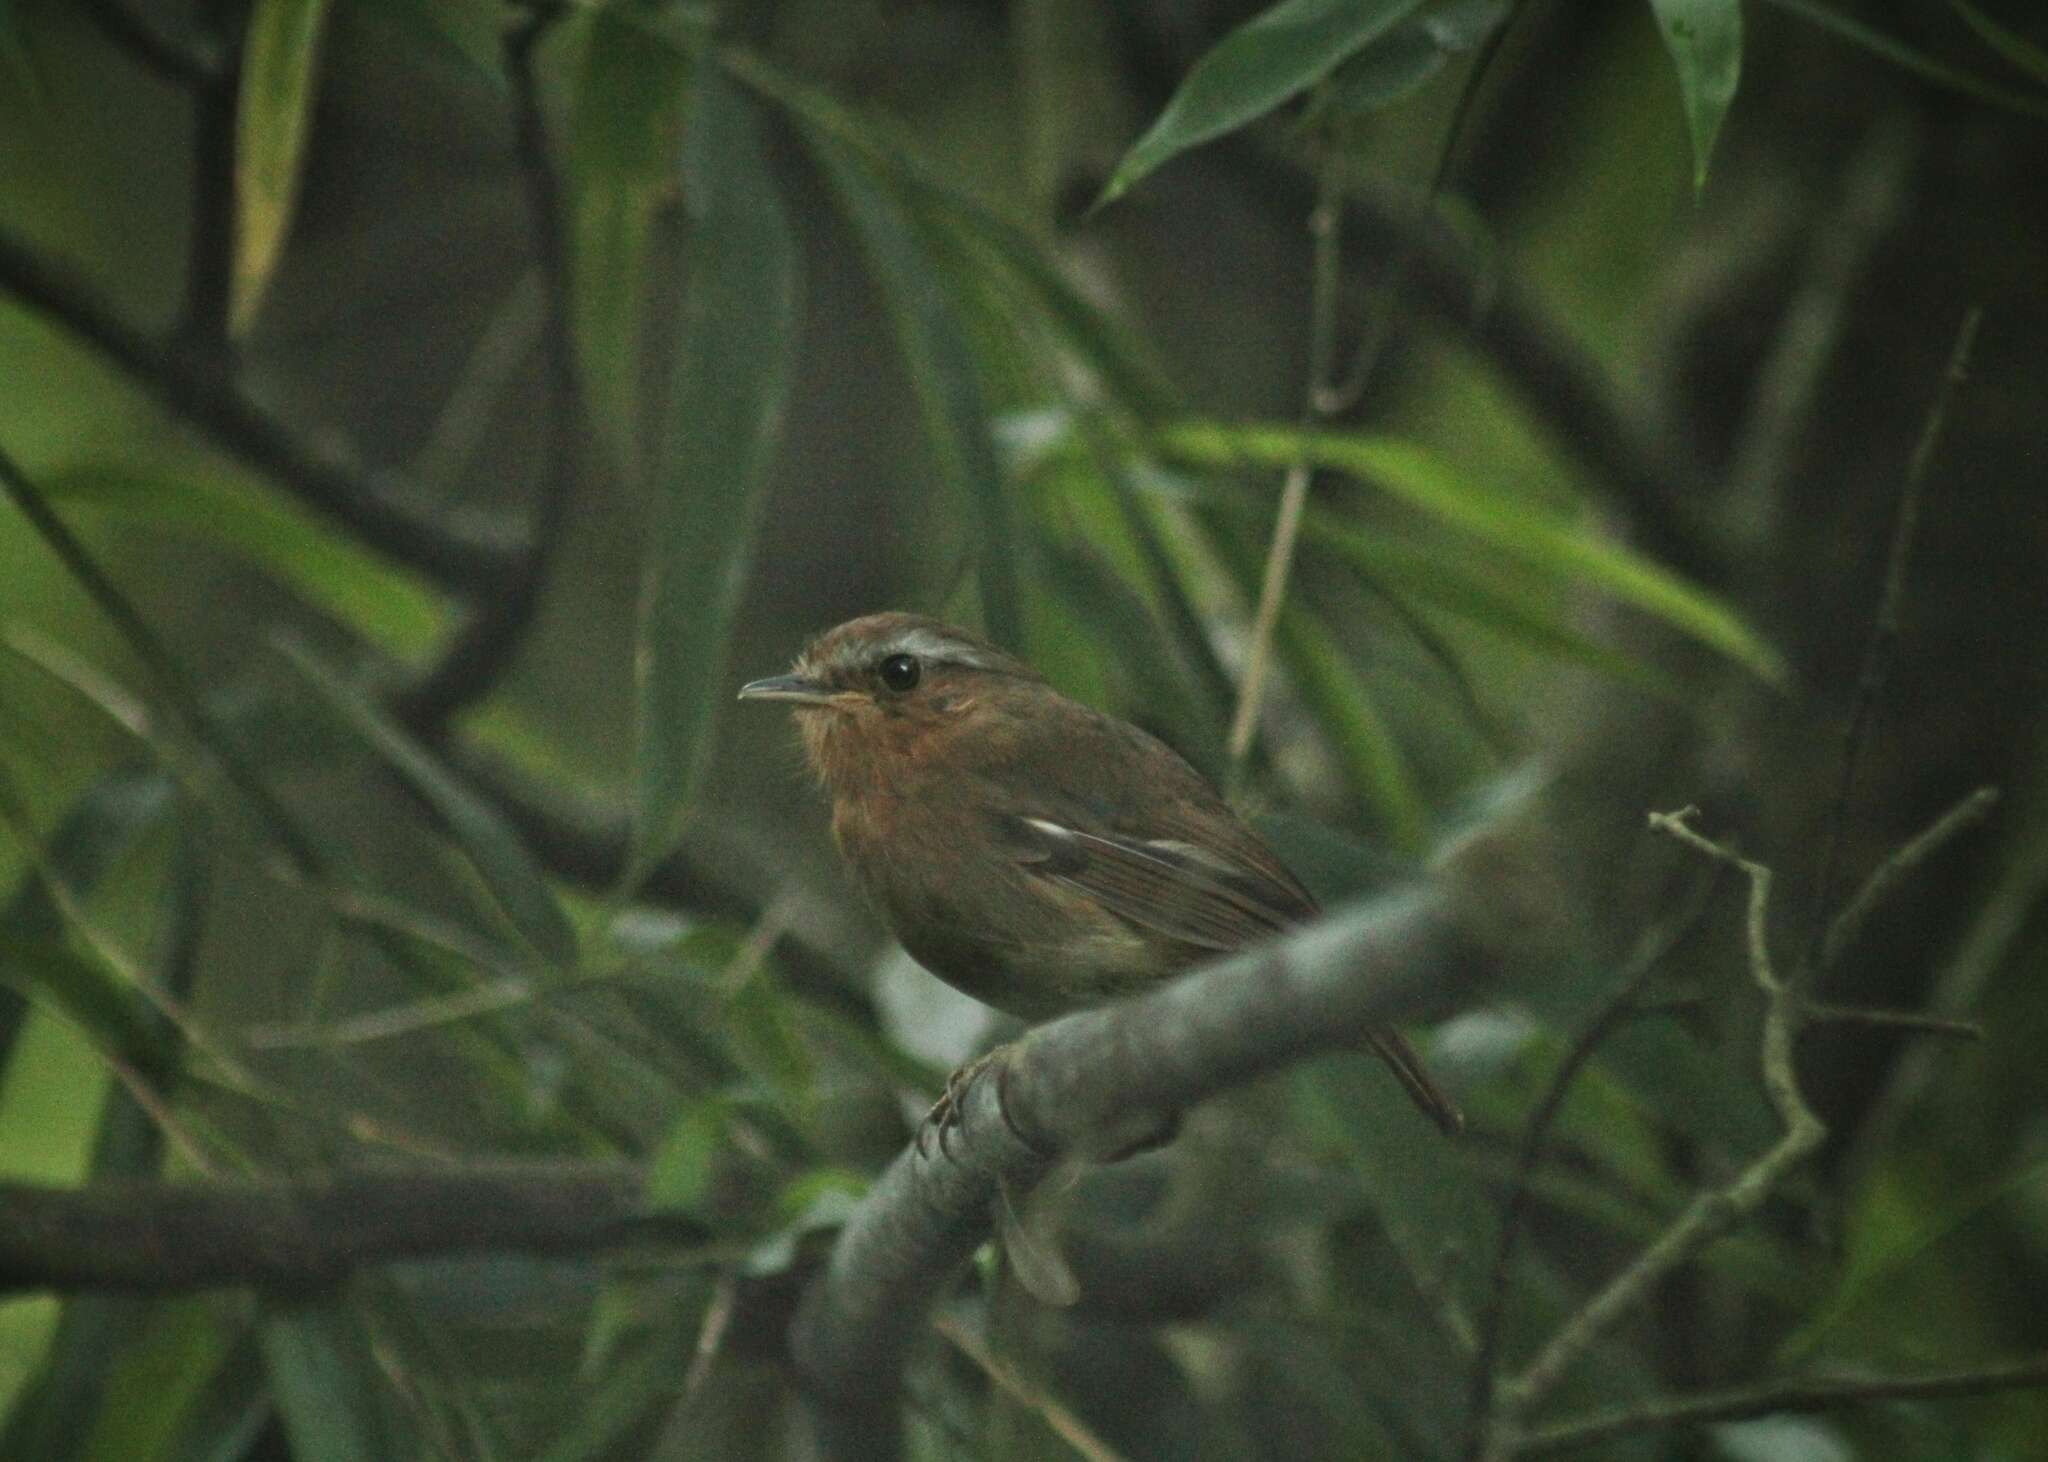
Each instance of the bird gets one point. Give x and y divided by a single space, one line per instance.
1031 851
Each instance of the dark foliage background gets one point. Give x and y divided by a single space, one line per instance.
420 415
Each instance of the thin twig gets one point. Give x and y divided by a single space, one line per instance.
1778 1398
1652 950
1911 1020
1068 1427
1904 862
457 549
189 64
1781 404
1341 396
1884 631
1710 1214
1324 228
710 1335
482 650
179 692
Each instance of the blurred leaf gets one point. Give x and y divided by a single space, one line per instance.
1889 1238
599 1416
1397 65
945 377
1026 258
147 1387
352 585
1438 578
17 60
734 352
463 32
2016 48
491 844
1917 62
1543 539
1373 760
623 132
1255 68
679 1177
326 1384
273 113
223 1420
1704 38
765 1041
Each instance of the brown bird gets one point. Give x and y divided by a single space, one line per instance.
1025 848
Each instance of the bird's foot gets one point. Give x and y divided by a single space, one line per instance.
950 1109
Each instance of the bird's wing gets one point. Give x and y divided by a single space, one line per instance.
1165 886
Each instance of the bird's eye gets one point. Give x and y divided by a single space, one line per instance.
901 672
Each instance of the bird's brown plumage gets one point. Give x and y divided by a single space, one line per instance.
1026 848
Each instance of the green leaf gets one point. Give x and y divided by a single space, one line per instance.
1917 62
2016 48
623 133
1373 759
679 1177
1255 68
490 843
944 375
462 32
273 113
733 356
353 586
326 1384
1704 38
1537 536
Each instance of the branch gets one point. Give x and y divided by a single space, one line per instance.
1884 630
482 650
456 549
1777 1399
1712 1213
1091 1082
187 64
1901 865
159 1237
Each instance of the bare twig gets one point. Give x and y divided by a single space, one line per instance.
456 549
1712 1213
1777 1398
1324 228
1651 952
483 648
1903 863
1781 404
1068 1427
1884 631
1911 1020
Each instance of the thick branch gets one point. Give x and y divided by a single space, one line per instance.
456 549
1095 1081
162 1237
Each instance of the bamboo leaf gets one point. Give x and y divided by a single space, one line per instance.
944 374
325 1384
732 368
273 114
623 134
1264 62
1704 38
2016 48
490 843
1919 63
1534 535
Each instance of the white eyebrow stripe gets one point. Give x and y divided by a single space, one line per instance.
929 645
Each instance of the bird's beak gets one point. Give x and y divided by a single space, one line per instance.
787 688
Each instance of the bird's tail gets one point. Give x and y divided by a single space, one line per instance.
1406 1064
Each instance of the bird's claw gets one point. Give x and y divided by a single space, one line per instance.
950 1109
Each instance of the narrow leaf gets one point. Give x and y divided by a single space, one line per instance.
354 586
943 373
1918 62
1255 68
2016 48
462 33
733 356
1704 38
1537 536
325 1383
490 843
623 134
273 114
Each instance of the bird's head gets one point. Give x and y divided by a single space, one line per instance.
880 697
